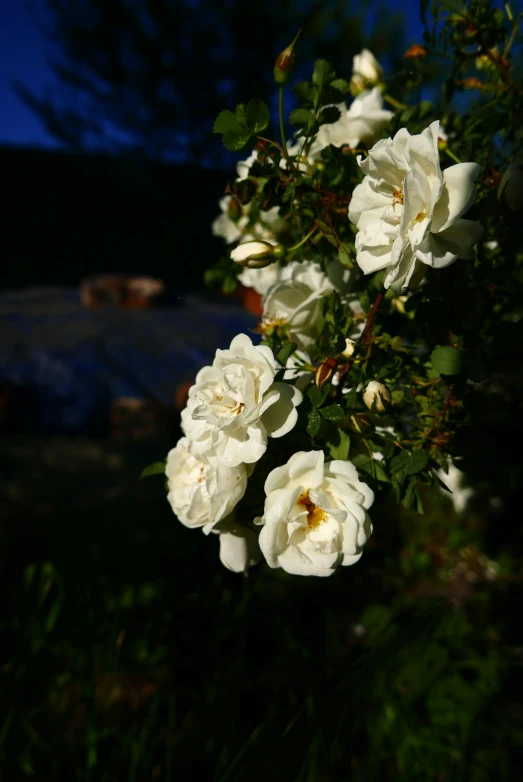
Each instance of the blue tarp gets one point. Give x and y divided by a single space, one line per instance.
67 363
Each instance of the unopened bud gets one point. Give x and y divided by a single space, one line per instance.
350 347
366 66
414 51
285 63
234 209
377 397
256 254
325 372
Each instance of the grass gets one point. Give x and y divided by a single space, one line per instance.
131 654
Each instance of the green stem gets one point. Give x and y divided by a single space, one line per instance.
305 238
394 102
282 126
451 154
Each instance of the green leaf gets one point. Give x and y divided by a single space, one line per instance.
286 351
301 117
339 445
306 91
226 121
241 115
341 85
364 462
257 115
235 140
447 360
316 396
153 469
323 74
333 413
410 464
344 256
313 427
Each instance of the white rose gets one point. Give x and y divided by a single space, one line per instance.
260 279
243 167
235 404
230 230
454 480
315 515
362 122
408 212
239 548
377 397
202 491
294 300
366 66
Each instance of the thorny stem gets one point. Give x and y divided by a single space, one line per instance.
366 335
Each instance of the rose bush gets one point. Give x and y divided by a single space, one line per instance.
370 380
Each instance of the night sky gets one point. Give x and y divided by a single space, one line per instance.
23 55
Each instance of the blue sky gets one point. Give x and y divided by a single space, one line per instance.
23 56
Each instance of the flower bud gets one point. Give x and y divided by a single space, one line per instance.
377 397
256 254
350 347
325 372
234 209
285 63
357 84
366 66
414 51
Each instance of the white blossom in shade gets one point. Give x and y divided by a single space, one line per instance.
294 300
239 547
455 481
315 516
243 167
260 279
235 405
202 490
363 122
366 66
265 228
408 212
224 226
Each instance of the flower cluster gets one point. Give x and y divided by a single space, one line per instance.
333 230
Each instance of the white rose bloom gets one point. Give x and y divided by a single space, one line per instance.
239 547
235 404
260 279
454 479
315 515
227 229
409 212
362 122
202 490
294 300
234 230
243 167
366 66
